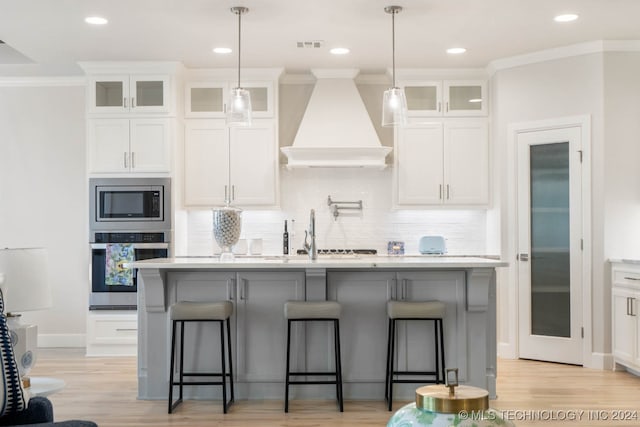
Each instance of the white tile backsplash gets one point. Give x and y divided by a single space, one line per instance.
377 223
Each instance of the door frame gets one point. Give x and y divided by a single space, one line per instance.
510 276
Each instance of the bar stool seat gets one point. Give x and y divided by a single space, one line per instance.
312 310
415 310
309 311
191 311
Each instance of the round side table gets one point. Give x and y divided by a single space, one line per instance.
44 386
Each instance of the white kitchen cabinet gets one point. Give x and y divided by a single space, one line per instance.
210 99
443 163
112 333
625 294
129 145
237 164
262 330
136 93
454 98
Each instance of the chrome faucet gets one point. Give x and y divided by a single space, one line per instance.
311 248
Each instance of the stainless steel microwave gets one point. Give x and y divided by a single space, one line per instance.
129 204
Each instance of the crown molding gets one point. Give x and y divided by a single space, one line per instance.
42 81
597 46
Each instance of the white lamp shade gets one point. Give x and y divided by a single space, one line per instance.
26 282
394 107
239 109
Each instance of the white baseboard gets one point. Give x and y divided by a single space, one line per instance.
506 351
62 340
602 361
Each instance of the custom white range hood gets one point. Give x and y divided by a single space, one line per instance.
336 130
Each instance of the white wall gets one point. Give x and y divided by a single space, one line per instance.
553 89
43 199
622 156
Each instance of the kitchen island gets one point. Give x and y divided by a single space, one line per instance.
259 287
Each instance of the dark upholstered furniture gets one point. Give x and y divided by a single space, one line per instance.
40 413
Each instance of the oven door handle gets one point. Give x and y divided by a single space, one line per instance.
135 245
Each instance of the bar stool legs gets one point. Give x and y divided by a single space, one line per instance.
314 311
219 312
414 310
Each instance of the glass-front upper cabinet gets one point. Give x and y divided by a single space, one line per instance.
129 94
446 98
209 99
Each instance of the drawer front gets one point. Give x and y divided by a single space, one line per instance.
113 330
627 277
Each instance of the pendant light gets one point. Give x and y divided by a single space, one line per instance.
394 102
239 108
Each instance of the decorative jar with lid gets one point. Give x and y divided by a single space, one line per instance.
449 405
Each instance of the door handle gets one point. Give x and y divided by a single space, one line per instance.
522 257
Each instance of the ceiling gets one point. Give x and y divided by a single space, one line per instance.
45 37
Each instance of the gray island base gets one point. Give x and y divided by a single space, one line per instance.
259 288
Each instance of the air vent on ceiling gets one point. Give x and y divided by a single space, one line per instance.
313 44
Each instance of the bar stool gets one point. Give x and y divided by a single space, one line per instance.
312 311
409 310
188 311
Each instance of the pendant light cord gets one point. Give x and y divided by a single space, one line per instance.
393 46
239 44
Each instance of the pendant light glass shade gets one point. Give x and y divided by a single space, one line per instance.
394 101
239 107
394 107
239 110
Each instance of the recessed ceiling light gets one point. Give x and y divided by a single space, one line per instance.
339 51
222 50
456 50
568 17
95 20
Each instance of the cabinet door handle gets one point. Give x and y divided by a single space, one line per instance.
233 192
632 278
440 192
447 107
243 289
126 329
125 159
124 102
404 289
133 103
230 286
439 106
391 289
447 191
133 160
631 313
226 199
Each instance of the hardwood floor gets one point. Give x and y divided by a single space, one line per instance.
530 393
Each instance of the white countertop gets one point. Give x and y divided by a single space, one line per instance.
323 261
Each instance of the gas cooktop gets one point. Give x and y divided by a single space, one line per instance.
341 252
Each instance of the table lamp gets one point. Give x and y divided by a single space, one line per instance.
25 287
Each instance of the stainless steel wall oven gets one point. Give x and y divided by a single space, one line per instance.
129 213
